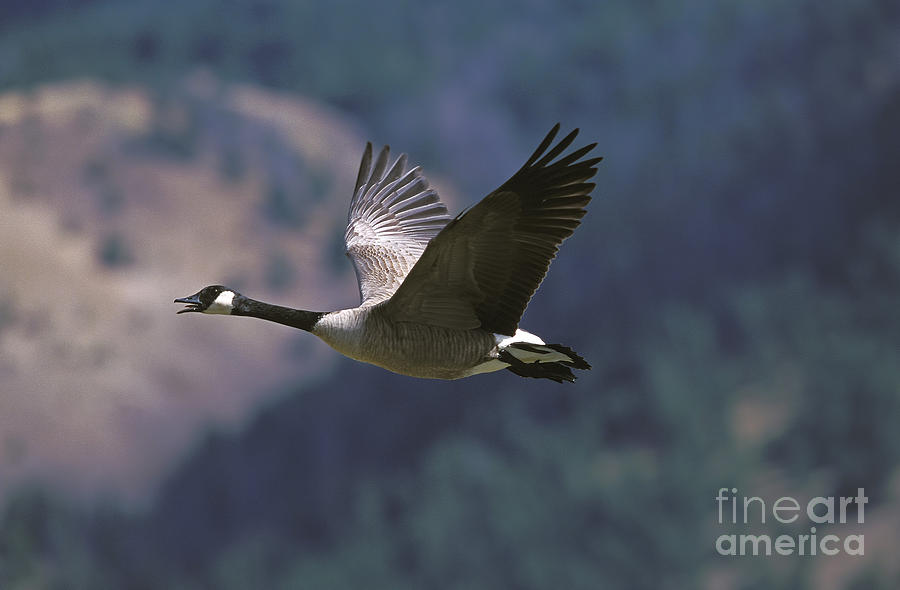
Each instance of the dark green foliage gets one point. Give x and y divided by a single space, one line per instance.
96 171
279 207
7 307
175 129
279 272
110 200
291 183
232 164
114 251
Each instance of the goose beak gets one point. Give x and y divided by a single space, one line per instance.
192 303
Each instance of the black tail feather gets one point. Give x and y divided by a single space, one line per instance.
578 361
555 371
558 371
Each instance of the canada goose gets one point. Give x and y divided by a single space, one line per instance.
441 297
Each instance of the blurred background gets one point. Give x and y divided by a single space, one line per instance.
735 286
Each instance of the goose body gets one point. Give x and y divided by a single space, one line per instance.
366 334
441 298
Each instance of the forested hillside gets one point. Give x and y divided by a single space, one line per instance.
734 285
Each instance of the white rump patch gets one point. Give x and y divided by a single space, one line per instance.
222 304
520 336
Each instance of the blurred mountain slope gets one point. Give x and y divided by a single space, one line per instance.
115 200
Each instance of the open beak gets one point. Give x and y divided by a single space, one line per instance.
192 303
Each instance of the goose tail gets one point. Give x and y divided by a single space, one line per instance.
538 360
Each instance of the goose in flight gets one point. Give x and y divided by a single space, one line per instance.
442 297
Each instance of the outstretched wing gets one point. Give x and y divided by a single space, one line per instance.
393 216
485 265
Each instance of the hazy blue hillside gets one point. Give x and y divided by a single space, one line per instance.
734 285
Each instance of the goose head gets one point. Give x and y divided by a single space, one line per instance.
212 299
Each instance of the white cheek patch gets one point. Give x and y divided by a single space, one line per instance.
222 304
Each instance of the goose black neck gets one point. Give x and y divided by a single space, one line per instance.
295 318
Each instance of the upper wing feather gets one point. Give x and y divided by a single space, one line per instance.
393 216
483 267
